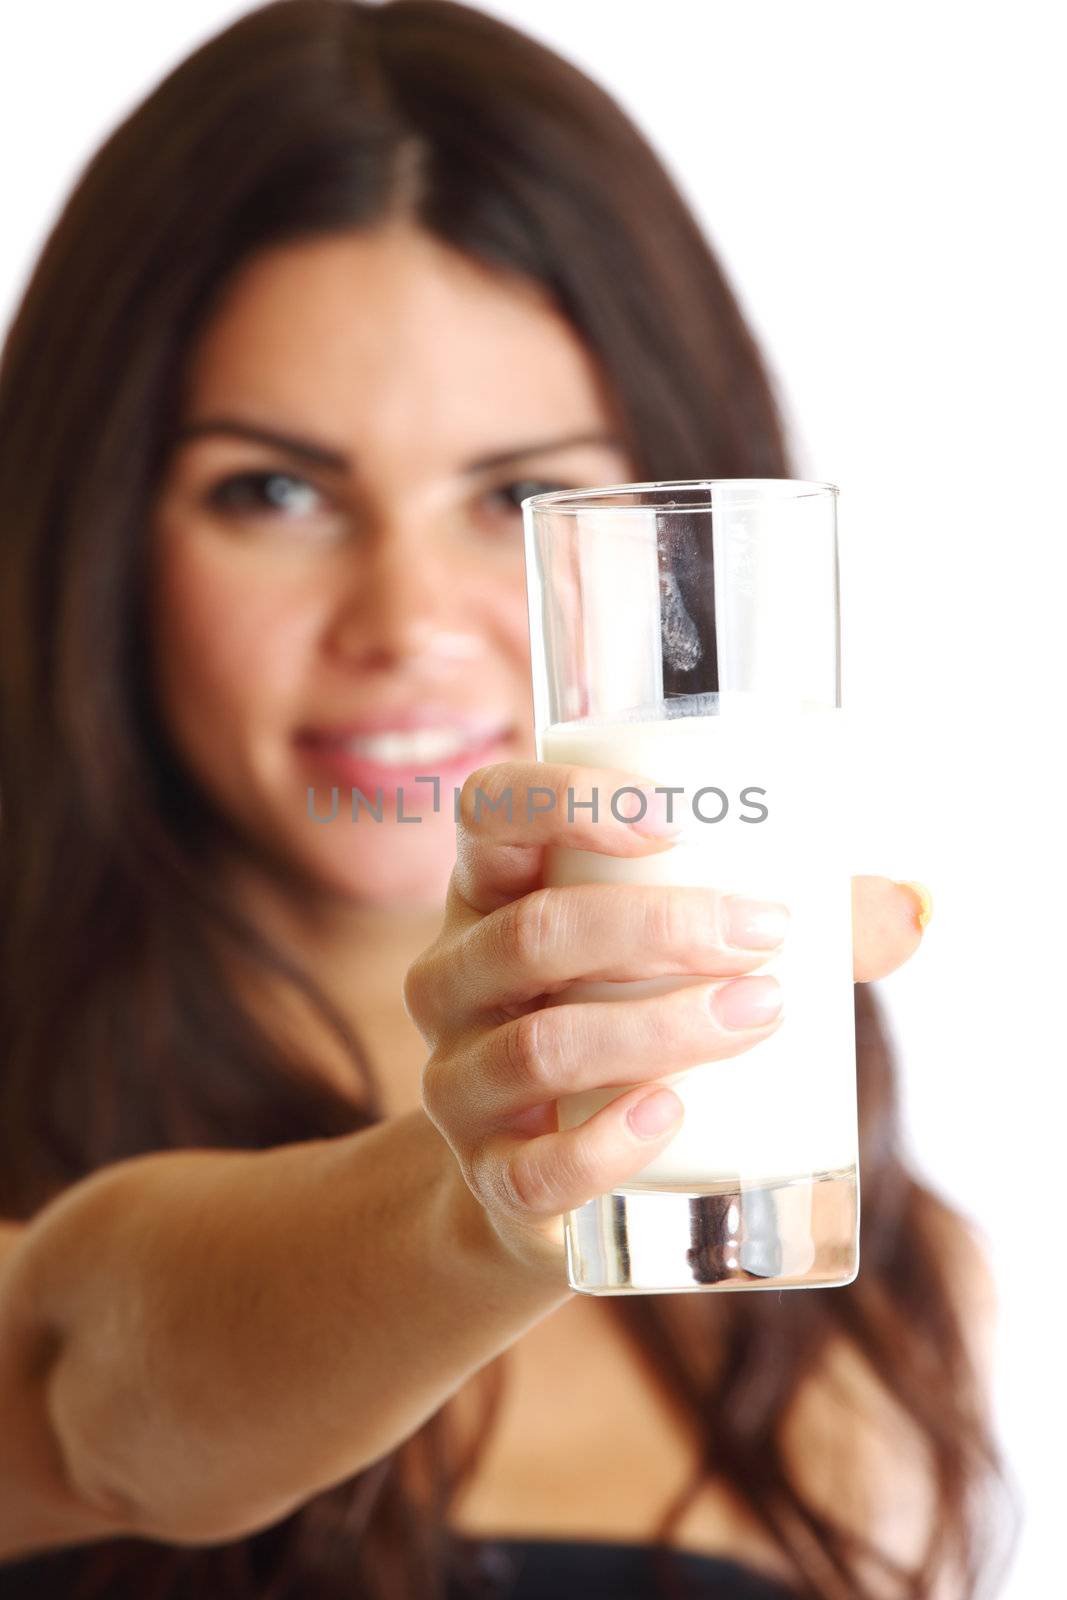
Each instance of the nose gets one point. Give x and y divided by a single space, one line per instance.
405 600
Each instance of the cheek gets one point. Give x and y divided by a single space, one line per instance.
510 623
231 645
516 627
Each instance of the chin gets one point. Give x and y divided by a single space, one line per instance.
387 868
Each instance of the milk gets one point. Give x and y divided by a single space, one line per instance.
785 1108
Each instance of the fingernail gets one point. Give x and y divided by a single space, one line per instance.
747 1002
755 924
654 1113
925 899
655 821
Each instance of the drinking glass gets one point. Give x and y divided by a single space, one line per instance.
689 633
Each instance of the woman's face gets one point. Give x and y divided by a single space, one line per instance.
338 596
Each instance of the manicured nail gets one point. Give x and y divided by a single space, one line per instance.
655 1113
925 899
654 823
754 924
747 1002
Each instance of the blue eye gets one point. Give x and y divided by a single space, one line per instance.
265 491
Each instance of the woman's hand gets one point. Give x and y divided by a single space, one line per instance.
500 1058
887 925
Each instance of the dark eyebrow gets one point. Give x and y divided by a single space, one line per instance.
318 455
336 461
543 447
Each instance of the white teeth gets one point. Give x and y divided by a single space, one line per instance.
394 748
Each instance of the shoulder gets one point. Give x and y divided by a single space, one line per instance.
10 1234
968 1264
967 1254
851 1445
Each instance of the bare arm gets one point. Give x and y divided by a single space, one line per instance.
192 1344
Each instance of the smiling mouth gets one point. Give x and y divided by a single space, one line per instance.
418 744
403 747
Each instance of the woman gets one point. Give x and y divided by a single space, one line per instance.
348 285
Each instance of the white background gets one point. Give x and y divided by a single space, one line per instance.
885 187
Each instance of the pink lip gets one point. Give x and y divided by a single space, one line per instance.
479 725
323 749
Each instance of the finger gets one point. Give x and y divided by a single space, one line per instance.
559 1171
511 811
541 942
887 925
596 1044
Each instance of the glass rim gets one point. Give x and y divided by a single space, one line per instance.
572 501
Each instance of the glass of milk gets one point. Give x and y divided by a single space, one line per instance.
689 633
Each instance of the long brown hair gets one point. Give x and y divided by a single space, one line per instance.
118 1034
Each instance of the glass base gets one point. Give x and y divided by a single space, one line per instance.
787 1233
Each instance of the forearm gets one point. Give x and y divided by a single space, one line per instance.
234 1332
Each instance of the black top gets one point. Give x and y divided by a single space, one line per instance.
478 1569
588 1569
